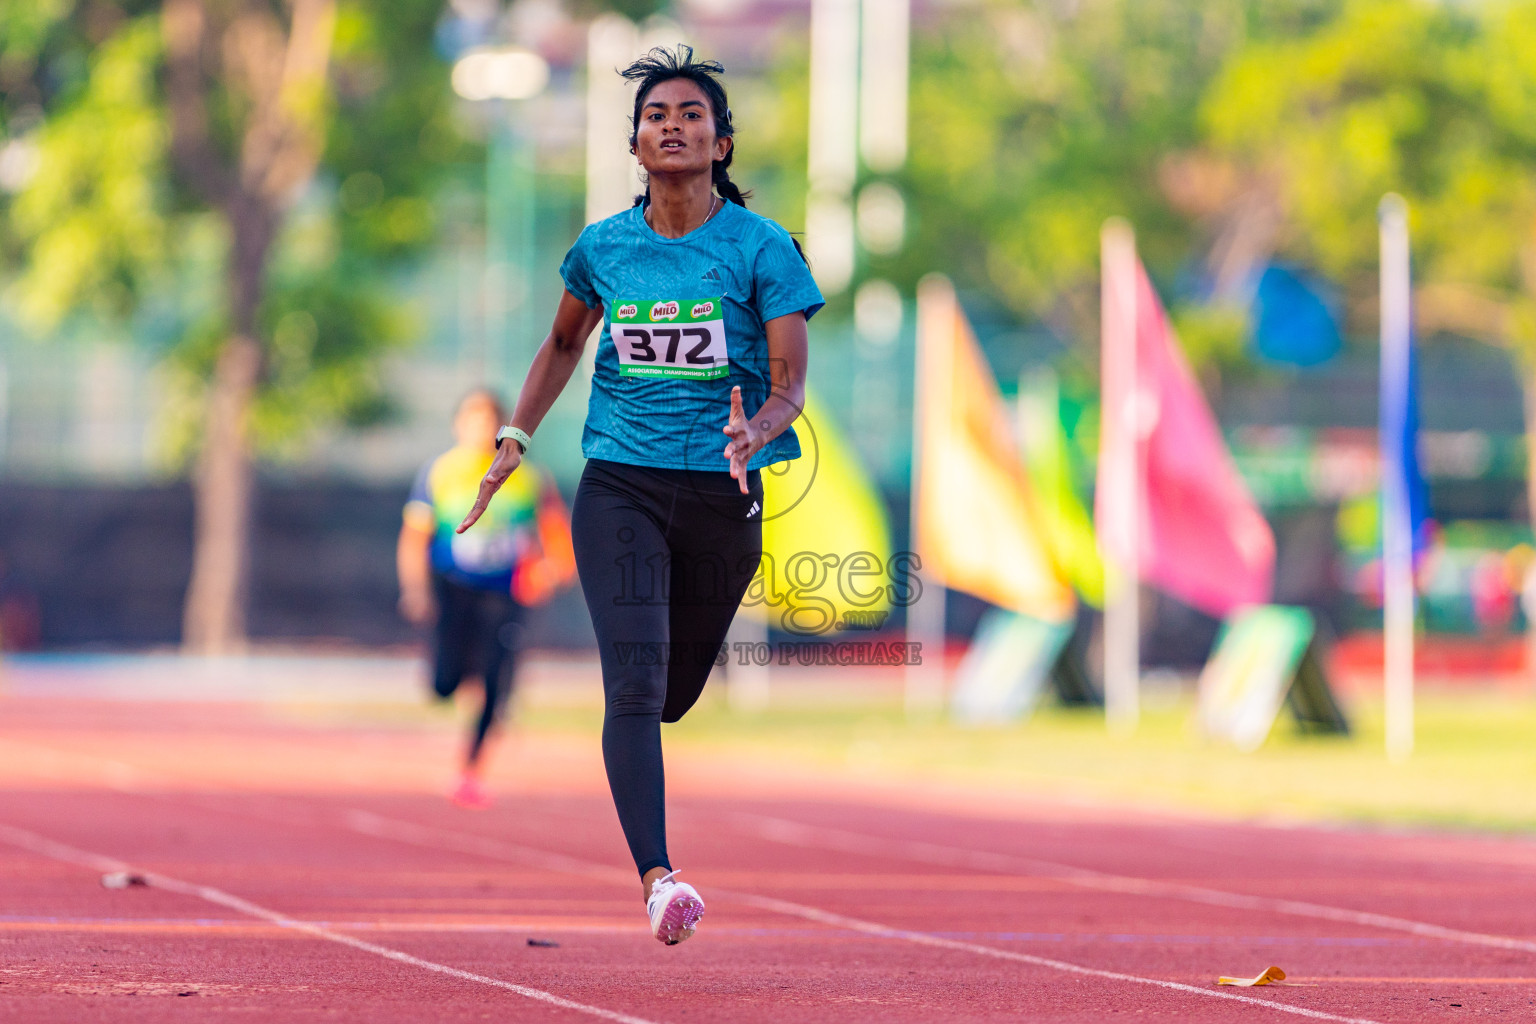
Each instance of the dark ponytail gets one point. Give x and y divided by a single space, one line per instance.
723 183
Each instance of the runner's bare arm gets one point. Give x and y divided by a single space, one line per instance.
413 563
787 353
552 367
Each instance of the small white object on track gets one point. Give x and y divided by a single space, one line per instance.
122 880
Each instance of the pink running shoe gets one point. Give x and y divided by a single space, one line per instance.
470 794
675 909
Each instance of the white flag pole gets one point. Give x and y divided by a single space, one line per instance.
925 616
832 142
884 82
1119 535
613 175
1396 508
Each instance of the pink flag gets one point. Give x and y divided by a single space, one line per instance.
1189 523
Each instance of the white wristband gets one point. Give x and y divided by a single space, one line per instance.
521 437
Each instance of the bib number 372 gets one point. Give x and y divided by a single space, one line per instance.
670 338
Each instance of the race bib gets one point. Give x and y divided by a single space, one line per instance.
486 551
670 338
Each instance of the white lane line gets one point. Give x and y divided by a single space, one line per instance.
431 837
794 833
96 862
922 938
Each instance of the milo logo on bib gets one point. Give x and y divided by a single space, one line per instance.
683 339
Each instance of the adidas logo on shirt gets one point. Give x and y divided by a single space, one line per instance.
714 279
754 510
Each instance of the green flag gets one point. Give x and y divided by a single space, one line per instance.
1047 458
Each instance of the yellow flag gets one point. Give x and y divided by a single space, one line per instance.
826 542
977 527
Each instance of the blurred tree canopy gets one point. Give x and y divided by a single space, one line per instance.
1229 134
108 227
1434 101
251 171
1033 123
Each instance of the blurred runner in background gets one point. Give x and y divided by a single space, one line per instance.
477 586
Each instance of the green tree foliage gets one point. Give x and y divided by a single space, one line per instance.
107 229
92 212
1032 123
1434 101
771 115
251 170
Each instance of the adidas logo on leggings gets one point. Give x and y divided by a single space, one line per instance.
753 510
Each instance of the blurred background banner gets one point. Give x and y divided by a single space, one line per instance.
1265 660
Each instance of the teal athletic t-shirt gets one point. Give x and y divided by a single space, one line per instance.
683 324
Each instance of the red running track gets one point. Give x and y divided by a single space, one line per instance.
342 900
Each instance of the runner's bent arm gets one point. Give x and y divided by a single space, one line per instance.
787 353
552 367
413 564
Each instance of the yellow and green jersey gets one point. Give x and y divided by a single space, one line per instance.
485 555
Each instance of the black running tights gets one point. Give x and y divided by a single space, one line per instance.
477 631
664 557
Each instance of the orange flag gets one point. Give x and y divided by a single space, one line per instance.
977 530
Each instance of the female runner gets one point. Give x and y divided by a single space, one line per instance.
704 308
475 589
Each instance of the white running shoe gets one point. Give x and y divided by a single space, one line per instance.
675 908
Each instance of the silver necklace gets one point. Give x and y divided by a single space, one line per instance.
714 207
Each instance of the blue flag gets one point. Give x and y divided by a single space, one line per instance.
1402 482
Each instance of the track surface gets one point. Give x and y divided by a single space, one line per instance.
312 872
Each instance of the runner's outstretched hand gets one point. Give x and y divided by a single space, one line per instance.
508 457
745 440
